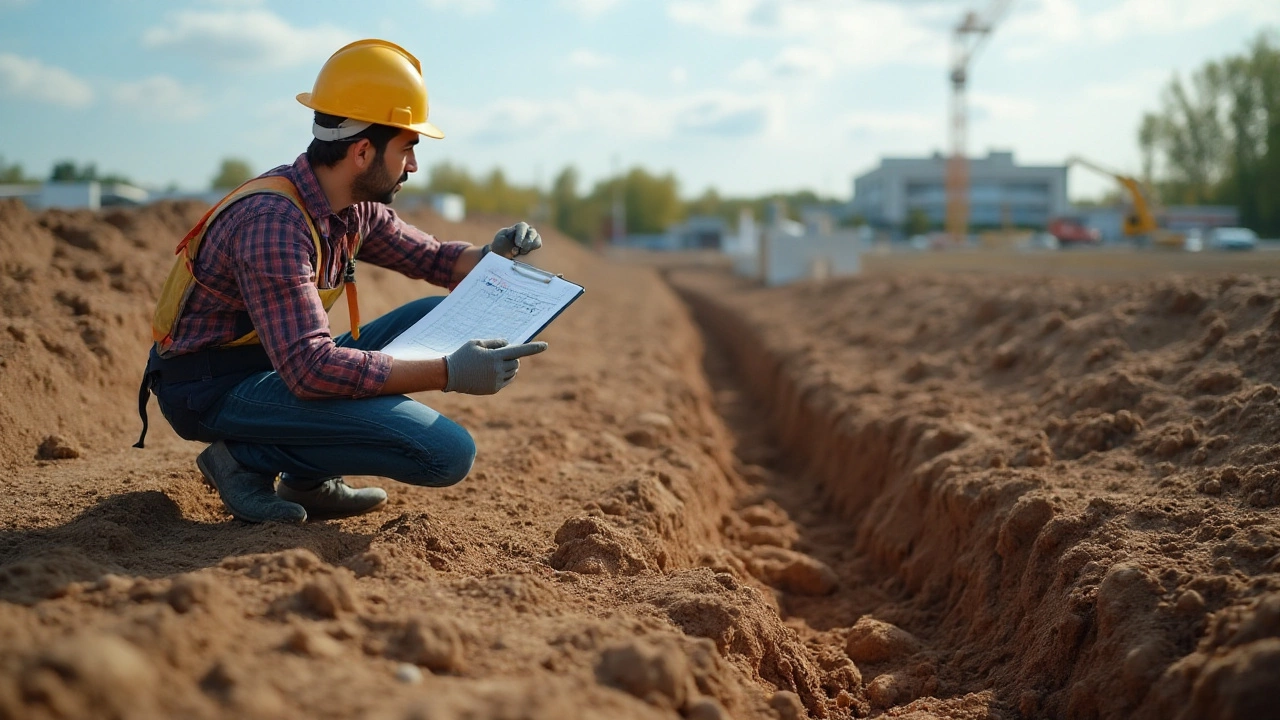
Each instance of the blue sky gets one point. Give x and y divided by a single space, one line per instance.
748 96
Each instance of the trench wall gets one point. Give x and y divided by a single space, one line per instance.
1032 598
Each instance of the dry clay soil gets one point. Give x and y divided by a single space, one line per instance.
916 496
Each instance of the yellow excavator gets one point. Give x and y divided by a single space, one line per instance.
1139 222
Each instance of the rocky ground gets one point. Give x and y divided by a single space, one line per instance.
898 495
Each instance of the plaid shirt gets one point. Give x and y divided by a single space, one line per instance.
260 255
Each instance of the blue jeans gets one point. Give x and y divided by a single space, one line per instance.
270 430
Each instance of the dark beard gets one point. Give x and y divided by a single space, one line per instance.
374 185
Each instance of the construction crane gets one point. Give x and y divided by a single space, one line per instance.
967 39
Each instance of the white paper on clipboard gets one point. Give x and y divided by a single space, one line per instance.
499 298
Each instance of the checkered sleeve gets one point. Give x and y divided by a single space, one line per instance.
274 263
394 244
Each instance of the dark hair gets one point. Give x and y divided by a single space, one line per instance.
325 153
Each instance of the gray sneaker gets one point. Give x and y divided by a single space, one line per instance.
247 494
334 499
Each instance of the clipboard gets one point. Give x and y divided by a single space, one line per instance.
499 298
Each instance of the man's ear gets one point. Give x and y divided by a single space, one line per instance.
362 153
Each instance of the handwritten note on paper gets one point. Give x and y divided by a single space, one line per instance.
499 298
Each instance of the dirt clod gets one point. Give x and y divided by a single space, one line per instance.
658 675
57 447
873 641
433 643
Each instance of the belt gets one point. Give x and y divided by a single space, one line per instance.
199 365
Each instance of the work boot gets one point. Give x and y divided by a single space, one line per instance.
247 494
334 499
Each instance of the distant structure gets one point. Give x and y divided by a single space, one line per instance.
91 195
450 206
1001 193
783 251
1109 220
699 232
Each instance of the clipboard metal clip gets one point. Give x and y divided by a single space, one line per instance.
530 271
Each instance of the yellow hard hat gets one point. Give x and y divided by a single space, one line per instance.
373 81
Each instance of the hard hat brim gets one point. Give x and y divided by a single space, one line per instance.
422 128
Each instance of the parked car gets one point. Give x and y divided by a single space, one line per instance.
1233 238
1071 232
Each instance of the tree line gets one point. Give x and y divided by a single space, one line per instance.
1215 139
649 202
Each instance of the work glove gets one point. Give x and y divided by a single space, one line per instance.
519 239
483 367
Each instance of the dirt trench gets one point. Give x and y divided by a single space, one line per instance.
817 480
970 498
598 562
989 569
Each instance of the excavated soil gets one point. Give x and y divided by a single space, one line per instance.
918 496
1058 494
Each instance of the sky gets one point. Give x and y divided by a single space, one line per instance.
746 96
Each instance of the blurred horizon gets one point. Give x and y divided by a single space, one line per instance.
749 97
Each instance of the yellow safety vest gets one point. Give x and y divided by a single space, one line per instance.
182 280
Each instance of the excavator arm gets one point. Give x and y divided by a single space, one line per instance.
1140 220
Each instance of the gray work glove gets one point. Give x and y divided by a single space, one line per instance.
483 367
519 239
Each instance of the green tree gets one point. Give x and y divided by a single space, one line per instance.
68 171
572 215
493 194
12 173
653 202
231 174
1149 134
1191 132
1217 138
708 203
445 177
918 222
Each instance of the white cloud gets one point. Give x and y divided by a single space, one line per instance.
245 38
513 119
1002 107
753 70
863 34
678 76
588 8
161 98
793 63
1037 27
826 34
590 59
621 113
725 115
468 7
801 61
893 122
30 79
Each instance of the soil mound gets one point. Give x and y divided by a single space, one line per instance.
1071 479
925 497
546 585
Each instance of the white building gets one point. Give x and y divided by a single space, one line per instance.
91 195
1001 192
784 251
